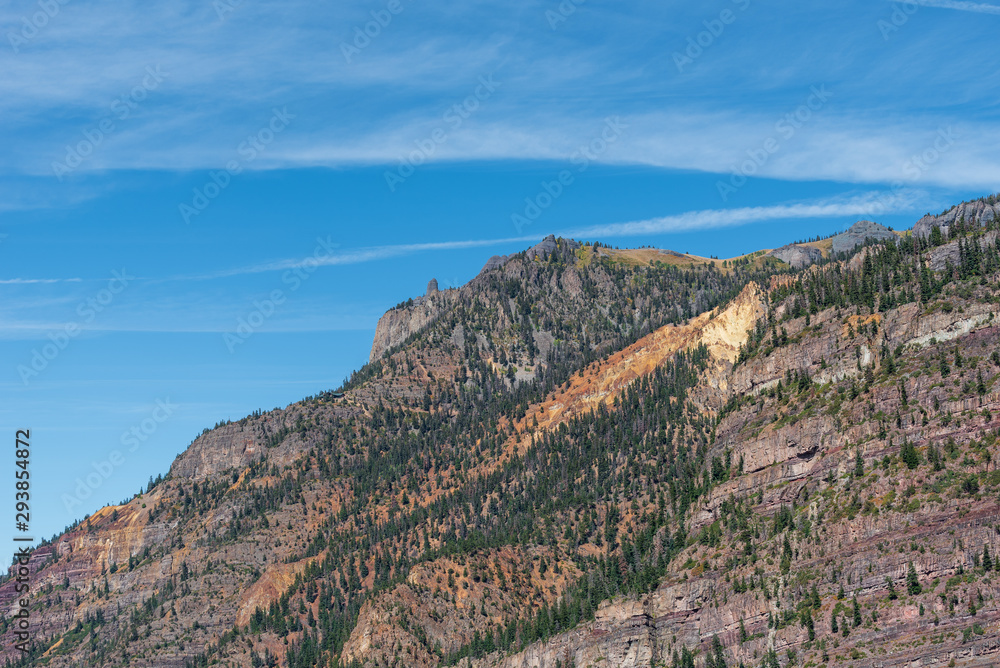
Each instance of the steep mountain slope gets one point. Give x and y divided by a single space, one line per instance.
588 456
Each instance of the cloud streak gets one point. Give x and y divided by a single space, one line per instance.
977 7
358 256
866 204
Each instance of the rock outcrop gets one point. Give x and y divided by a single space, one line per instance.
495 262
398 324
545 247
977 213
540 250
859 233
951 252
797 256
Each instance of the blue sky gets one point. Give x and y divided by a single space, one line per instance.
205 151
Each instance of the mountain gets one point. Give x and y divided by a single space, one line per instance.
590 456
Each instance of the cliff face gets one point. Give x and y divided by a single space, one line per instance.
977 213
551 467
280 435
397 325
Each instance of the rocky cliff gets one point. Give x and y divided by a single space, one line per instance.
977 213
402 322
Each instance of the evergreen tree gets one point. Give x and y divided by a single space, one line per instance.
807 622
717 658
908 453
912 582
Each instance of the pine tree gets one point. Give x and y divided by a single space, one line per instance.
807 621
908 453
987 559
717 650
936 237
912 582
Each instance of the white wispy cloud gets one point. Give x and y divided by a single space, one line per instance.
323 258
854 147
33 281
866 204
831 145
224 77
175 323
978 7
